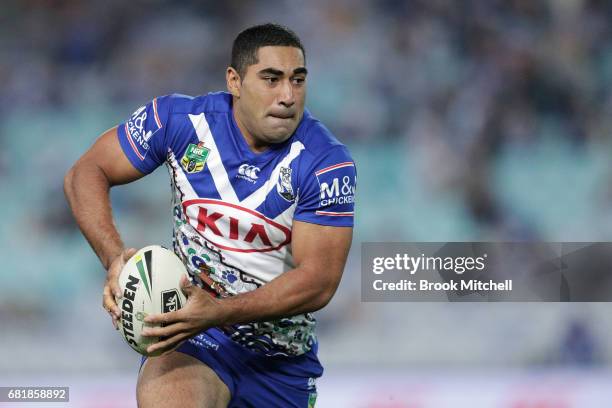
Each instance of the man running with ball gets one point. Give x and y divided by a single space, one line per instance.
263 198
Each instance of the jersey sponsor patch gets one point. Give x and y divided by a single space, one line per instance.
235 228
141 126
337 190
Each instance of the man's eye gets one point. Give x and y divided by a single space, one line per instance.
271 80
299 81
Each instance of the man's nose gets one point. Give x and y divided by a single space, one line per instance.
286 97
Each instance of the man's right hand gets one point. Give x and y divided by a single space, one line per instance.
111 286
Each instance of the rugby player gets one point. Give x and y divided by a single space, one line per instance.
263 198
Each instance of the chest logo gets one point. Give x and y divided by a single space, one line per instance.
235 228
248 173
283 185
195 157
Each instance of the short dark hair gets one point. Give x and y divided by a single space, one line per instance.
248 42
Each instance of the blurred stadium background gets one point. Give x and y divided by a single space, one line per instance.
468 120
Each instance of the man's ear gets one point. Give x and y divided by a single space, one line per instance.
233 82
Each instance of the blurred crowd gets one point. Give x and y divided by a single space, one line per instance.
454 82
471 72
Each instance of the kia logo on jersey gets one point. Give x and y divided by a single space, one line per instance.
235 228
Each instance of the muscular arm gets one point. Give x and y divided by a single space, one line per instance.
320 253
87 186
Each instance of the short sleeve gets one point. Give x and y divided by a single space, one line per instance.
326 193
143 135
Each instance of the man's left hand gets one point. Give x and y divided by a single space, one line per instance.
199 313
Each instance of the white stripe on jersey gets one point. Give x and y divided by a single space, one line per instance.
259 196
180 179
215 166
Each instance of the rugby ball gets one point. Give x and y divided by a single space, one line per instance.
150 284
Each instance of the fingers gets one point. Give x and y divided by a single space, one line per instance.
186 285
108 303
165 318
166 331
115 270
128 253
168 345
115 322
112 290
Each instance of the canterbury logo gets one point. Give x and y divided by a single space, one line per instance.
249 171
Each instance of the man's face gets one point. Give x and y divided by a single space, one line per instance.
269 99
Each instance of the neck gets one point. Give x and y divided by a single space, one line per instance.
255 145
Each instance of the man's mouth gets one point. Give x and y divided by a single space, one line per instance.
282 115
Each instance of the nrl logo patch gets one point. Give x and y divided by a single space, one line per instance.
312 399
195 157
283 185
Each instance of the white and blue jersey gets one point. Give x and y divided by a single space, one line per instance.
234 209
